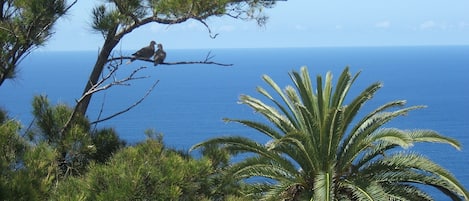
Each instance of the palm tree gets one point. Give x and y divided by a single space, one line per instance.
318 151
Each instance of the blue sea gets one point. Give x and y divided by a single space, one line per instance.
189 101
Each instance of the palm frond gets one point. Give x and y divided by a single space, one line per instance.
363 189
270 113
261 127
285 99
335 131
237 144
343 85
431 173
354 143
285 190
405 192
264 167
393 136
377 149
433 136
352 109
287 112
294 146
311 128
303 85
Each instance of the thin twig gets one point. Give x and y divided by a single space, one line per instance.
209 56
101 110
130 107
208 28
97 87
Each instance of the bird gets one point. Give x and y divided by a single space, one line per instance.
160 55
145 52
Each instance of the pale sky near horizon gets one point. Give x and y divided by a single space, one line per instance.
292 23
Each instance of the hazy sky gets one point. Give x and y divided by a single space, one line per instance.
292 23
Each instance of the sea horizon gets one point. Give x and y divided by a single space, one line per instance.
39 50
189 102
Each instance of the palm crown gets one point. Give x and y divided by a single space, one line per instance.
318 151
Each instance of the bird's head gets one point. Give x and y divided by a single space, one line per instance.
152 43
160 46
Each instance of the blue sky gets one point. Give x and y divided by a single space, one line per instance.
292 23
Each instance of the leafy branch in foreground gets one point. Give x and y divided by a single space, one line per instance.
24 26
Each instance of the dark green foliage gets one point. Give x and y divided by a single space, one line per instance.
24 25
12 146
3 116
106 142
76 146
36 177
103 20
31 168
147 171
51 119
221 184
26 172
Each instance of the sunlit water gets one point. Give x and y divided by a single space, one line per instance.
189 101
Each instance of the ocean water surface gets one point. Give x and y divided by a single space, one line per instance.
189 101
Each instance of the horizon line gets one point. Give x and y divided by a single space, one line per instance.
285 47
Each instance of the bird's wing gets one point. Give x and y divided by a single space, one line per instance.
145 52
159 56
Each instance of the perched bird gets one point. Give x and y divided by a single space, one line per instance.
160 55
144 53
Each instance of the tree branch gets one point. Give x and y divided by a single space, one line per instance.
171 63
100 86
208 28
128 108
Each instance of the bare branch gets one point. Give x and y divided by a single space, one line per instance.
100 86
194 62
208 57
172 63
97 87
130 107
208 28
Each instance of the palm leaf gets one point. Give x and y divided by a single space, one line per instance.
264 167
284 98
439 177
303 85
405 192
284 110
263 128
294 146
343 85
236 145
354 144
433 136
363 189
279 120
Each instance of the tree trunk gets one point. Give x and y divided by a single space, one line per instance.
109 44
